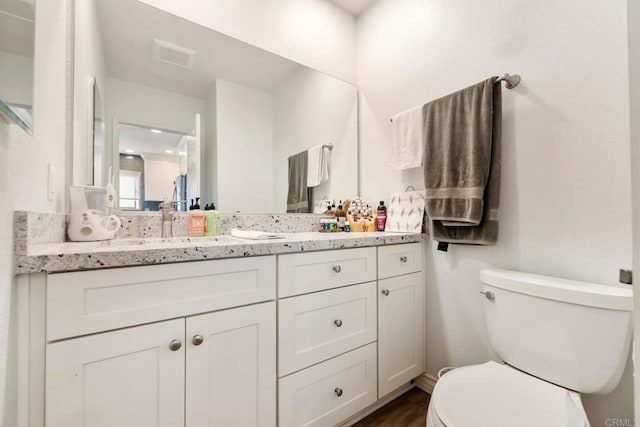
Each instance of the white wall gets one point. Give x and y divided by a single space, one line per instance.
315 33
311 109
565 206
89 63
209 166
133 103
23 174
245 176
16 79
159 177
634 92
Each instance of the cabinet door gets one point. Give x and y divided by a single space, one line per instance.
126 378
400 331
231 367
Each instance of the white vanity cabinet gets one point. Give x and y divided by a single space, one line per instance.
401 324
309 338
209 369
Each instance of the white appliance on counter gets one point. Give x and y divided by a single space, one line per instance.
92 215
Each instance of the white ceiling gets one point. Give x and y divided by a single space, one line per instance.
128 29
354 7
140 140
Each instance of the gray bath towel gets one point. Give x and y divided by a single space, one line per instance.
298 194
462 164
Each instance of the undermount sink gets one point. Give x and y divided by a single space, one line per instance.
169 241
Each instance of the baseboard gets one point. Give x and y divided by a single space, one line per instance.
426 383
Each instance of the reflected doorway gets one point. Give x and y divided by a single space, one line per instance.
155 165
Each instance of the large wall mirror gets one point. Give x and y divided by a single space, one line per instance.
185 112
17 35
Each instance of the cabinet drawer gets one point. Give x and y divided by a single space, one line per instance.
309 272
330 392
394 260
84 302
315 327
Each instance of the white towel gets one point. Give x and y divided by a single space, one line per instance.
317 165
255 235
407 147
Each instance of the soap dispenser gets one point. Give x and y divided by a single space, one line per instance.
211 221
196 220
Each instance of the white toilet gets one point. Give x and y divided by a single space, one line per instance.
557 338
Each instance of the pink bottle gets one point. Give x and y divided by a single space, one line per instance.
381 219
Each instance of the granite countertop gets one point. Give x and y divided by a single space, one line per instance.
72 256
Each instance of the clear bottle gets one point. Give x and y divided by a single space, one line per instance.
341 216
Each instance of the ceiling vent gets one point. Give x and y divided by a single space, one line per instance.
173 54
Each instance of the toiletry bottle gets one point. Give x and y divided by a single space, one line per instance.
211 221
341 216
381 219
196 220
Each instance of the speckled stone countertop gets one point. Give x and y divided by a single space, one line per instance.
72 256
40 241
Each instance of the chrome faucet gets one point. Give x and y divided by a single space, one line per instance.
166 208
167 218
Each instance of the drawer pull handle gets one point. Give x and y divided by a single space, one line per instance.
337 268
338 391
404 259
197 339
175 345
385 292
338 322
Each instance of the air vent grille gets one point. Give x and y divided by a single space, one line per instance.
172 54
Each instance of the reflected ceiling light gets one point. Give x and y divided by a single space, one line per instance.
182 153
130 157
168 151
128 150
156 131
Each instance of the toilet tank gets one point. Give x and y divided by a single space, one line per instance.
573 334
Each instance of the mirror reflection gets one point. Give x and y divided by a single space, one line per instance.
17 30
189 112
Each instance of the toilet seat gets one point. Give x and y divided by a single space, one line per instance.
497 395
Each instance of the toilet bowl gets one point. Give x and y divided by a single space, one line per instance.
558 338
497 395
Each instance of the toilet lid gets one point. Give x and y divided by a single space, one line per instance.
496 395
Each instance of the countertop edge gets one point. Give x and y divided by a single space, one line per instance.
67 261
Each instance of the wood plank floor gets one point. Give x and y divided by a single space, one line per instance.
407 410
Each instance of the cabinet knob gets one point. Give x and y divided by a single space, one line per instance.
489 295
197 339
175 345
337 268
385 292
338 322
338 391
404 259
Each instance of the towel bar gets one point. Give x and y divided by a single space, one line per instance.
511 82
